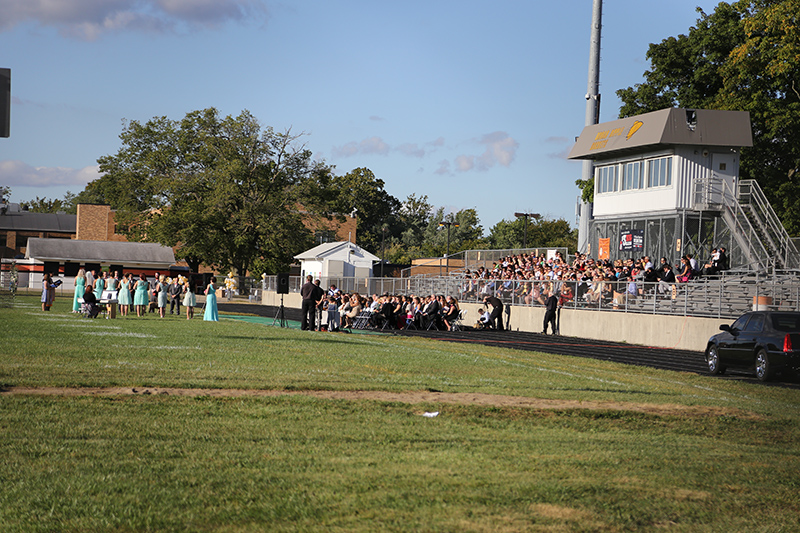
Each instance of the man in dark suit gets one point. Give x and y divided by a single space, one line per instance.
550 305
496 318
174 292
431 312
308 293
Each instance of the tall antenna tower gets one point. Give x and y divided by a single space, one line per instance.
592 118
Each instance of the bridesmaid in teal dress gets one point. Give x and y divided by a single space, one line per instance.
161 287
140 296
211 302
80 288
99 285
124 296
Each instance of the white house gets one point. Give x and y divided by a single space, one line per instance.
336 260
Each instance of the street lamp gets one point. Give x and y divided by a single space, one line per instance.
447 224
525 234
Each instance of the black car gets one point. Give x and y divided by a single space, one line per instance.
760 340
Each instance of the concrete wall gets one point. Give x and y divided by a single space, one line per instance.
661 331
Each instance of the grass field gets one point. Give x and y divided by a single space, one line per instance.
235 426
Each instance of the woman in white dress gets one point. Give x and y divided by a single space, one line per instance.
189 300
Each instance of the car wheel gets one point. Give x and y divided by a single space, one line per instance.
763 368
712 358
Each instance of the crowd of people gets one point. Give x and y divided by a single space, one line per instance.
345 311
133 295
530 279
551 282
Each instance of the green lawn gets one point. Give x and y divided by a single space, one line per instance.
298 463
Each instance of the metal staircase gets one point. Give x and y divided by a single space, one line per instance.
754 225
767 224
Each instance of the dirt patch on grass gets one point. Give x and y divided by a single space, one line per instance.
409 397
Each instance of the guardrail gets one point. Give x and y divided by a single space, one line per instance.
726 296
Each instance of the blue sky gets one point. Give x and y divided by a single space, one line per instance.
472 103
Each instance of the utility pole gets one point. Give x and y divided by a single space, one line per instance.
525 233
592 117
448 224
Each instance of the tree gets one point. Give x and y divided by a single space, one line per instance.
542 233
467 235
375 208
415 213
743 56
221 190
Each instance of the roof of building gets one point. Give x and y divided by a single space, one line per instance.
664 128
331 249
18 220
111 252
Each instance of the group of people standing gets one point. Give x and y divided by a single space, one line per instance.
141 295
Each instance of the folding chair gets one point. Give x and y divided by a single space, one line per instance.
433 324
456 325
362 320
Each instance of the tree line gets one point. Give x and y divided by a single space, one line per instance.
231 194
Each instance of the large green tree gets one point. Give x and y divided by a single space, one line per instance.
221 189
376 210
743 56
465 232
541 233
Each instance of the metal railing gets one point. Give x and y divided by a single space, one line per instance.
773 232
726 296
711 193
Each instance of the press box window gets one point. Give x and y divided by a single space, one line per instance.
606 179
633 177
659 172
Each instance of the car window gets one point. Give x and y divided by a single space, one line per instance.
788 323
756 324
740 322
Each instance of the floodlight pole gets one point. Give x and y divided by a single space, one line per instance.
525 232
447 224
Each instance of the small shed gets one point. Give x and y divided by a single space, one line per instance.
336 260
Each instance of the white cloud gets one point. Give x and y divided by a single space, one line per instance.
373 145
411 149
501 150
444 168
465 163
19 173
89 19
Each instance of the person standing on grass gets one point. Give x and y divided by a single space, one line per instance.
175 291
551 305
112 283
90 277
48 292
124 296
142 295
189 301
161 289
99 285
80 288
211 314
308 293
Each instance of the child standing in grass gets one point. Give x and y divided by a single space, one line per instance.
333 314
